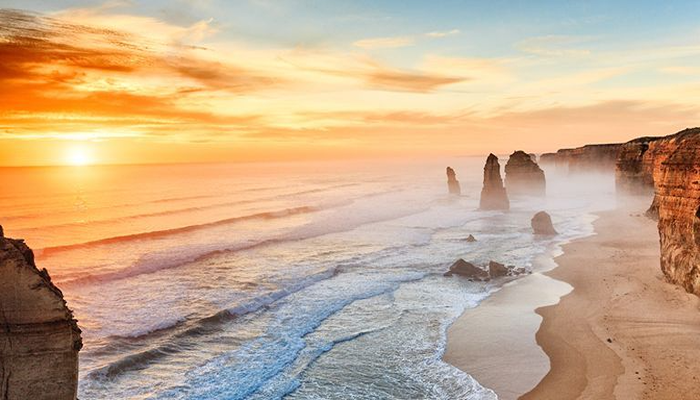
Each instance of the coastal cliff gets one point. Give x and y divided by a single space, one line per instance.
39 338
524 176
589 158
676 177
639 161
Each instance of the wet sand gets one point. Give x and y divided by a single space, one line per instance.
622 332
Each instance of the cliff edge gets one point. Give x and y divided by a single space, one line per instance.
39 338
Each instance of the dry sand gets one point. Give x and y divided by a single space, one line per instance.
622 333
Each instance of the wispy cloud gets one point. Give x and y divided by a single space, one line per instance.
441 34
555 46
385 42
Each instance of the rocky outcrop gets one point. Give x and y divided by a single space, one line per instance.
524 176
452 182
542 224
39 338
598 158
474 273
677 200
497 270
493 194
470 239
467 270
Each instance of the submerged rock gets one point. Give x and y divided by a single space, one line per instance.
524 176
467 270
452 182
493 194
470 238
39 338
542 224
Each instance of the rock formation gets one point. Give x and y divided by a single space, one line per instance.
493 194
39 338
548 159
452 182
600 158
474 273
470 239
542 224
524 176
677 199
467 270
497 270
637 161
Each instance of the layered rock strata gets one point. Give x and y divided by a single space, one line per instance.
39 338
677 202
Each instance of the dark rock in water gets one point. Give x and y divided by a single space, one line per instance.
497 270
467 270
524 176
542 224
452 182
519 271
493 194
39 338
470 238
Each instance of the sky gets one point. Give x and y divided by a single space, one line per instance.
262 80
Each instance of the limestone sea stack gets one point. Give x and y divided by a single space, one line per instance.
493 194
677 188
542 224
524 176
39 338
452 182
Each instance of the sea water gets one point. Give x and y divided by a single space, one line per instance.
268 281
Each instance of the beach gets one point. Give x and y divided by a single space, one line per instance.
619 331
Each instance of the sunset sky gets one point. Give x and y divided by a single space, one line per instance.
259 80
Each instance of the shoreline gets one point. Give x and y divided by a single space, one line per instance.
495 341
619 331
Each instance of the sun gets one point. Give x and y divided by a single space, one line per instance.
78 155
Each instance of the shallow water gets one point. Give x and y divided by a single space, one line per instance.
275 280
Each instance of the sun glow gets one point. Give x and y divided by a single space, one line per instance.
78 155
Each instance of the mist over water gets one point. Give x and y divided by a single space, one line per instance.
304 281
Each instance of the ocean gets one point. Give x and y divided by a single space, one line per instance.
268 281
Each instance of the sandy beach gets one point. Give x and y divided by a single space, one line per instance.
620 332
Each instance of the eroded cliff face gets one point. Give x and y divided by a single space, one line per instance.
677 198
524 176
493 194
599 158
39 338
637 161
